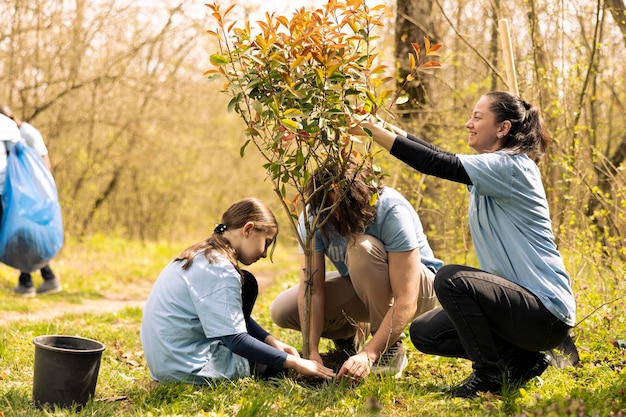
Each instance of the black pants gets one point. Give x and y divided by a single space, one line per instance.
26 279
485 318
249 294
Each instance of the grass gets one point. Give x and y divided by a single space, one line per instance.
100 266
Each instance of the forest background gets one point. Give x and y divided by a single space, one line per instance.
142 145
143 148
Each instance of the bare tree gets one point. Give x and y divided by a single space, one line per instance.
118 93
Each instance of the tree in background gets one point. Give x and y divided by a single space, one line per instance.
568 58
143 146
414 20
117 90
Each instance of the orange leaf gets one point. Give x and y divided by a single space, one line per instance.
430 64
416 48
229 9
411 61
283 20
434 50
426 44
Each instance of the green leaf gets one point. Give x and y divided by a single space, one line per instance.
290 124
373 199
337 77
242 150
293 113
299 158
402 99
233 103
219 59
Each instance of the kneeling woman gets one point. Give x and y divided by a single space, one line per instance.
520 302
197 323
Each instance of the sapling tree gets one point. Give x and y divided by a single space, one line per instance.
298 84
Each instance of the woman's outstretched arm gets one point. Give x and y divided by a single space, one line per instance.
415 152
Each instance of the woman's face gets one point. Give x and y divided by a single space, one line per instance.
485 135
254 245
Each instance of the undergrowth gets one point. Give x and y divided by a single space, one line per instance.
597 387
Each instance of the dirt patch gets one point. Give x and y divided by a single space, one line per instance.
110 303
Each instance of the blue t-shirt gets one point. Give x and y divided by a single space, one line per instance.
185 317
511 228
396 225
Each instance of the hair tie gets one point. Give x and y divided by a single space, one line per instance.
220 229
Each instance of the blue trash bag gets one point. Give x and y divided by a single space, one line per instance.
31 233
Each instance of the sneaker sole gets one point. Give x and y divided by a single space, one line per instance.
386 371
50 291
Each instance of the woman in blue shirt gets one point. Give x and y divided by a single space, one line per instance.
520 302
197 323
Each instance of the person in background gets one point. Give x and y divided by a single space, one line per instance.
51 283
520 302
9 136
197 324
384 270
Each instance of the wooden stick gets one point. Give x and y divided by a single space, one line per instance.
507 53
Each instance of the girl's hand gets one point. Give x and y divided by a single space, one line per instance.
309 368
272 341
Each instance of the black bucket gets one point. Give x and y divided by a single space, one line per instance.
66 370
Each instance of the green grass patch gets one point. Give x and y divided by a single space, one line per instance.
94 268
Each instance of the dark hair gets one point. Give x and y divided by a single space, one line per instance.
528 133
354 183
235 217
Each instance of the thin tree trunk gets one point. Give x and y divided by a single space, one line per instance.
413 24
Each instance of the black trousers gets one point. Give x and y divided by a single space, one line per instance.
249 294
485 318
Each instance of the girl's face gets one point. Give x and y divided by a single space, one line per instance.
254 244
485 134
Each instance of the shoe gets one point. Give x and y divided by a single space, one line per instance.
392 362
565 354
51 286
521 374
23 290
345 346
474 384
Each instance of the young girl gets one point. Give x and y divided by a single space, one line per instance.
520 302
196 321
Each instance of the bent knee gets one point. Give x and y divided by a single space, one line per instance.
416 334
284 314
277 314
445 275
